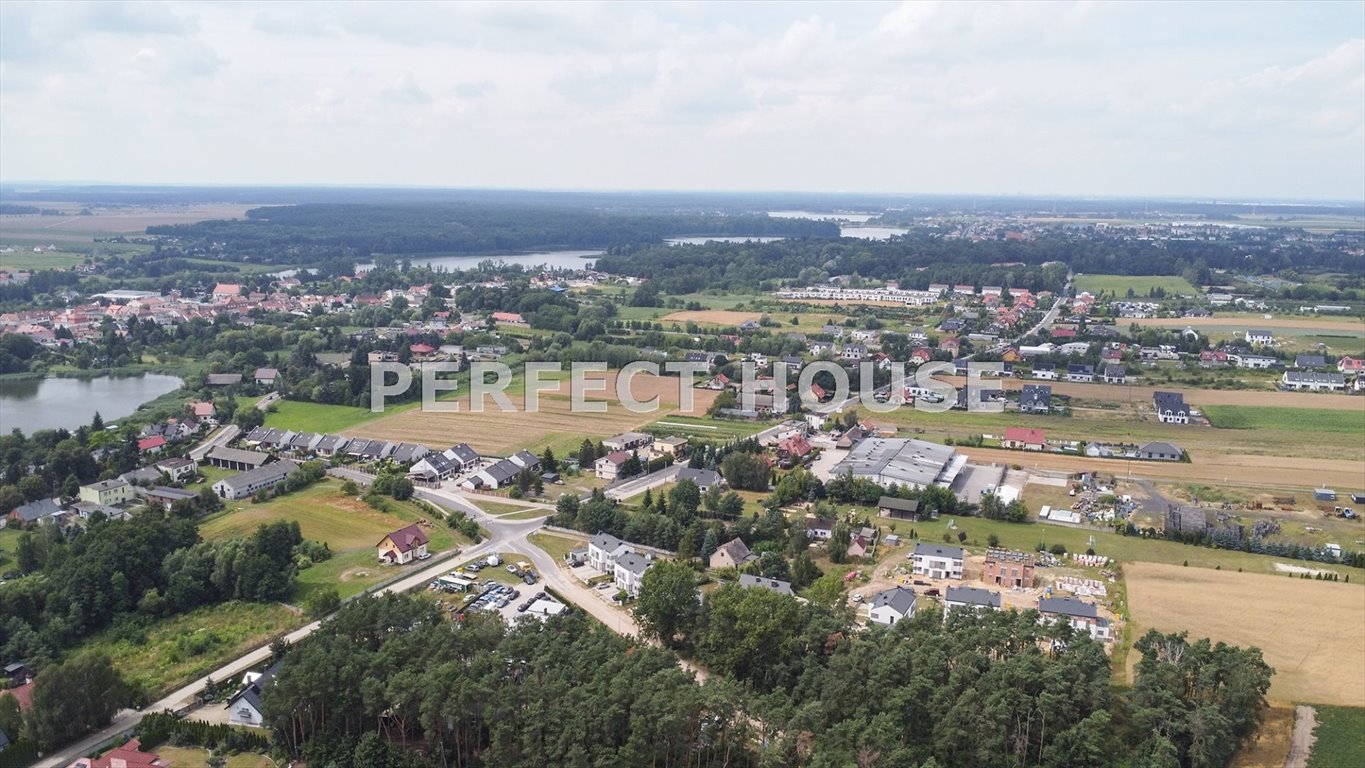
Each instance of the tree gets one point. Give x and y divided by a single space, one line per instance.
685 498
586 455
248 419
323 602
402 489
73 698
349 488
631 466
34 487
839 540
804 572
828 590
548 462
667 606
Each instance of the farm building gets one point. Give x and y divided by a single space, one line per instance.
247 483
899 509
235 458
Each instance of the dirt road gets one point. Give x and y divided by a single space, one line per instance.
1301 744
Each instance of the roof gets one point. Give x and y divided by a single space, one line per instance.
267 473
140 474
174 494
1310 361
223 453
616 457
904 461
972 596
1314 377
899 599
938 550
904 505
775 585
148 443
407 539
814 523
629 437
130 755
636 564
108 485
175 462
1160 447
1035 394
606 542
1170 401
736 549
463 453
1068 606
267 373
1025 435
702 477
252 692
36 510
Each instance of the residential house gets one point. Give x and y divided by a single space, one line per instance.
244 707
609 466
1024 438
1171 408
704 478
259 479
1035 398
141 476
1080 372
628 441
1313 381
628 571
603 549
1260 337
107 493
35 512
1310 362
267 377
860 544
204 411
1076 612
155 444
1007 568
130 755
853 352
892 605
821 528
1160 451
495 475
937 561
331 445
1349 364
718 382
1045 371
670 446
177 469
975 599
403 545
1256 362
16 673
731 554
773 585
236 458
1115 374
163 497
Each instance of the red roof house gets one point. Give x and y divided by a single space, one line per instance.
151 444
130 755
1024 437
403 545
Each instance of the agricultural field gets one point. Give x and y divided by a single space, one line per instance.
1301 419
554 425
721 317
1309 630
75 234
1119 285
1331 324
702 428
1339 738
176 650
25 258
351 528
317 417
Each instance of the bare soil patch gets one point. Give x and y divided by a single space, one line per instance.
713 316
1309 631
1270 746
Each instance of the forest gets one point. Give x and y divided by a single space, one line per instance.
389 681
300 234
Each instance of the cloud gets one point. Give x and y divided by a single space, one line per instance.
406 91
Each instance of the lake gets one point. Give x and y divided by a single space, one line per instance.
33 404
549 259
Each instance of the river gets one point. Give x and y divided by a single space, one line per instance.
52 403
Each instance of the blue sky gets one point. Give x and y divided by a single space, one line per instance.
1196 100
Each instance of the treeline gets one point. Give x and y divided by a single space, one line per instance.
390 671
286 233
389 682
125 574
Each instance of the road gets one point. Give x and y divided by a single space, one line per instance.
640 484
222 436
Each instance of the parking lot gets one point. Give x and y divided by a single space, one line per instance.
502 588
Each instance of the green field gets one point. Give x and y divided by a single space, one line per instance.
1292 419
350 527
179 649
1340 737
1119 285
718 430
556 546
27 259
316 417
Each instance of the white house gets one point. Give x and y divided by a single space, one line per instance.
177 469
1076 612
895 604
628 441
937 561
1313 381
604 549
1171 408
244 708
609 466
1258 336
628 570
970 598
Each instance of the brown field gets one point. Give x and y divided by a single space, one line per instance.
1139 393
1309 631
843 303
1345 323
712 316
1270 746
126 220
1206 467
554 423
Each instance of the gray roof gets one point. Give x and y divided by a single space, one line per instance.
1115 369
239 456
333 443
938 550
972 596
252 693
1161 447
1315 377
269 472
149 474
1310 361
702 477
503 470
606 542
108 485
463 453
736 549
1035 395
1170 401
904 505
636 564
173 494
899 599
913 462
1068 606
37 510
222 379
775 585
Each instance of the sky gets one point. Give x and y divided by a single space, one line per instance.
1208 100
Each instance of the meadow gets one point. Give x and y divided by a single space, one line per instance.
1339 738
1119 285
317 417
1289 419
198 757
1308 630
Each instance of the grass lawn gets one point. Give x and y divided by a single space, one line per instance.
498 509
1340 737
557 546
1289 419
317 417
9 542
168 656
198 757
27 259
1141 285
716 430
350 527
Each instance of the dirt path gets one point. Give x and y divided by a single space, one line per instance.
1301 744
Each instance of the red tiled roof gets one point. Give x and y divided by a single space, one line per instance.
1024 435
148 443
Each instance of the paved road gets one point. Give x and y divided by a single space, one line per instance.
222 436
1301 742
640 484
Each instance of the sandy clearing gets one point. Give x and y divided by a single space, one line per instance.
1309 631
1212 468
714 316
